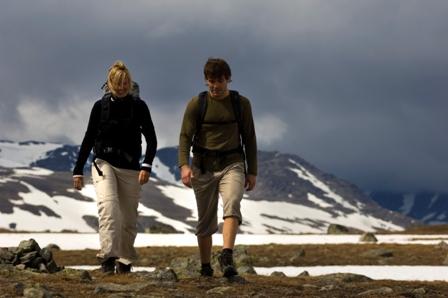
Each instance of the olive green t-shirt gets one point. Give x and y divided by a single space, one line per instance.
219 131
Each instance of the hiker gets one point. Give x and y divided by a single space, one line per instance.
116 124
218 124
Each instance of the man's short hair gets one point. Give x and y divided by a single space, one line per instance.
216 68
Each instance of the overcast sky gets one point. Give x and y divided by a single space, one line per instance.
357 88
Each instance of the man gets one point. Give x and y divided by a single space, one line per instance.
219 125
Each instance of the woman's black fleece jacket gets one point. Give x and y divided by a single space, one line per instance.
131 118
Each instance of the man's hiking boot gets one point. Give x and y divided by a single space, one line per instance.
123 268
225 260
206 271
108 266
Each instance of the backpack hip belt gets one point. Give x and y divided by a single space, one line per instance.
204 152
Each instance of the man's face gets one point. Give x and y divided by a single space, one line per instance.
218 87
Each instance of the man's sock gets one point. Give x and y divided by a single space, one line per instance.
227 251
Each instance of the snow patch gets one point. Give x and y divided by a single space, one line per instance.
163 172
14 155
318 201
408 203
304 174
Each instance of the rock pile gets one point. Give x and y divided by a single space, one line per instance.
188 267
29 255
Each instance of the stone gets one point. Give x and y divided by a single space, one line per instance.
241 257
379 291
297 257
337 229
165 275
186 266
218 291
42 268
35 263
368 237
46 254
53 247
343 277
246 270
300 252
75 274
309 286
28 257
330 287
26 246
52 267
379 252
303 274
419 291
35 293
19 288
6 256
278 274
21 266
442 245
38 291
445 262
113 288
85 275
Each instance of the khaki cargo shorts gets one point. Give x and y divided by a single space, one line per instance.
207 187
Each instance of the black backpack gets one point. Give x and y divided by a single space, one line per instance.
106 128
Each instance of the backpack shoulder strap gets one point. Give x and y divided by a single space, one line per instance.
202 102
105 107
236 104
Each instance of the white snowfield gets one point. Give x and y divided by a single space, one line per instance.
91 241
13 155
420 273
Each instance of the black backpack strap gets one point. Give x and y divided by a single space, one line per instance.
236 104
105 107
202 101
105 114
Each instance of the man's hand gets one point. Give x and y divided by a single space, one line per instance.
78 182
250 182
143 177
186 174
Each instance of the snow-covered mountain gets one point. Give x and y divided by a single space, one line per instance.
291 196
428 207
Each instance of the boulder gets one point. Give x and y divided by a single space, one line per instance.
337 229
376 292
368 237
26 246
378 253
343 277
278 274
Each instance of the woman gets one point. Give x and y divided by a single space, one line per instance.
114 132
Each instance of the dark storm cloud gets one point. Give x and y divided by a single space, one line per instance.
355 87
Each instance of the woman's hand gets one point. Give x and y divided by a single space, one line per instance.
143 177
78 182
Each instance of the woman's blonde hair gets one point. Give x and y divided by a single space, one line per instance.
118 75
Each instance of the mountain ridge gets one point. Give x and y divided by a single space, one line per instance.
292 195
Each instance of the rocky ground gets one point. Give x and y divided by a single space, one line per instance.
183 280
